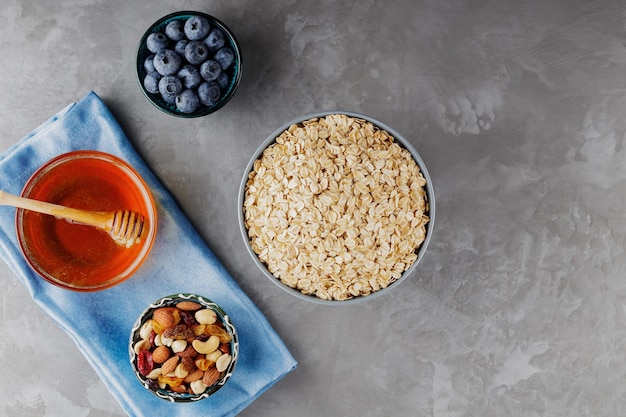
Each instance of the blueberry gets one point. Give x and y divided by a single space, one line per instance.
180 46
170 86
215 40
209 93
190 76
156 42
223 80
196 28
148 63
187 101
174 30
210 70
151 82
196 52
167 62
225 57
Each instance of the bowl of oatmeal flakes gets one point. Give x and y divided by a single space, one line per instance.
336 208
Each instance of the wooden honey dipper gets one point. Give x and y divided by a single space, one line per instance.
124 226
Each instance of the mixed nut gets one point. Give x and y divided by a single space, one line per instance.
183 348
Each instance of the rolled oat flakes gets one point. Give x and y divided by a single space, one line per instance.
336 208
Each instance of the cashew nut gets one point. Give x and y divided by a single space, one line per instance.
166 341
180 371
154 373
214 356
146 329
206 347
141 345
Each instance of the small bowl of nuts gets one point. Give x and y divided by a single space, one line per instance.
336 208
183 348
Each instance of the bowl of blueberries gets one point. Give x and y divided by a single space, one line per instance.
189 64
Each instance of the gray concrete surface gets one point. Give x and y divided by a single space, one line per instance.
518 109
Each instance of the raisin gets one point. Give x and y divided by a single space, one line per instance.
170 380
187 318
180 331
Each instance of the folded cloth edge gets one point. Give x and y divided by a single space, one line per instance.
17 268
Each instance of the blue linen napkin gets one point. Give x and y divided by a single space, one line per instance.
100 322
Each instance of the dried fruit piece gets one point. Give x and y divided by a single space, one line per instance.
198 329
203 363
187 318
145 362
180 331
188 364
172 381
157 327
219 331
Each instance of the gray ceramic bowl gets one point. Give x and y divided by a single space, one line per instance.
144 329
358 299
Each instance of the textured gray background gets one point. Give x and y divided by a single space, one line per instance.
517 108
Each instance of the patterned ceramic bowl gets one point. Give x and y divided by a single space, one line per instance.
183 348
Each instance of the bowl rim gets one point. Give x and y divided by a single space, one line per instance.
430 194
141 73
167 301
138 182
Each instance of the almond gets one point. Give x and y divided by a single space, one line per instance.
211 376
169 366
164 316
194 376
188 306
161 354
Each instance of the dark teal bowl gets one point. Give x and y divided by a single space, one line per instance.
234 71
